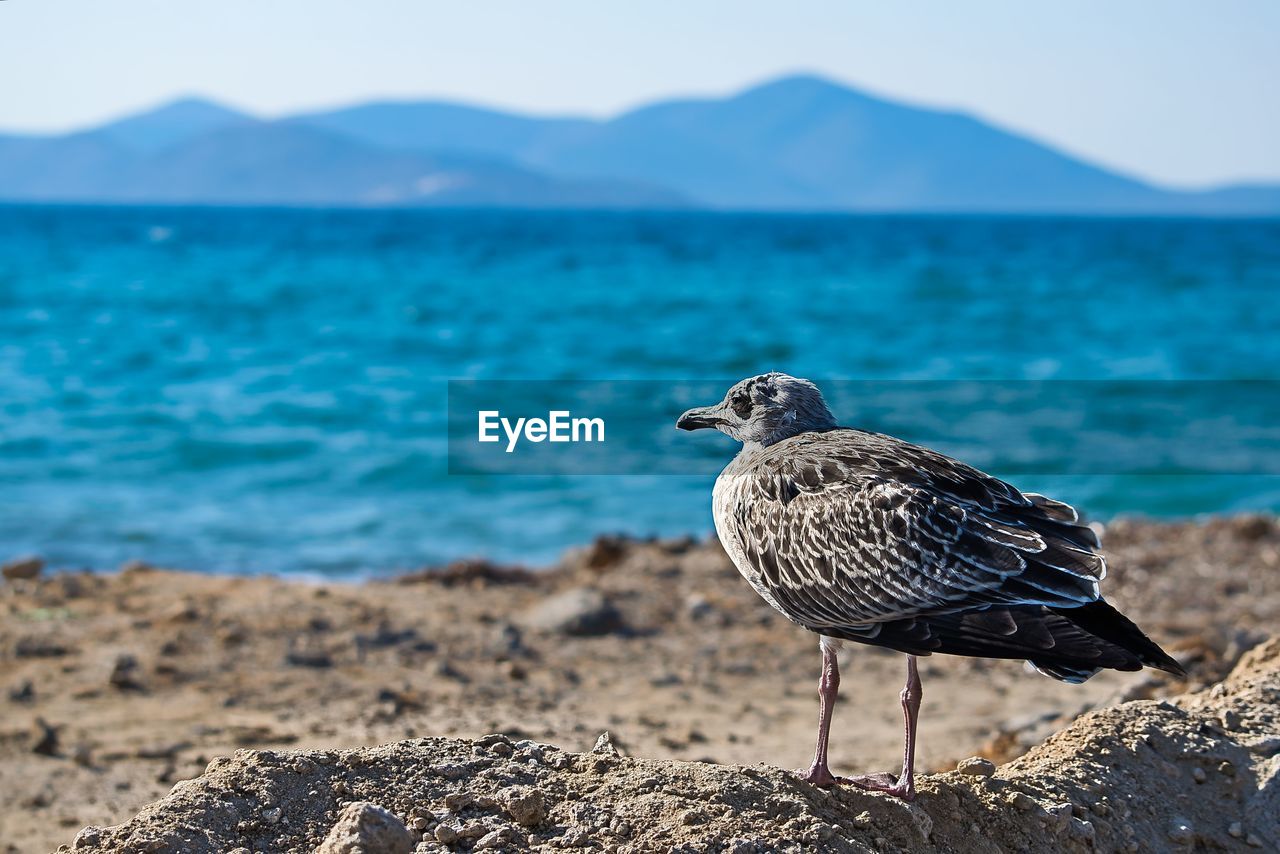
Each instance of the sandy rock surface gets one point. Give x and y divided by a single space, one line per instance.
116 686
365 828
1196 773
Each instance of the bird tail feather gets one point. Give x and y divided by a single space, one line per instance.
1106 623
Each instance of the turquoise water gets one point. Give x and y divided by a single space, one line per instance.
265 390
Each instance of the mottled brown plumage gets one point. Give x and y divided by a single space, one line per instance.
860 536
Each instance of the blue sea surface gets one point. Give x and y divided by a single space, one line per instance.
265 390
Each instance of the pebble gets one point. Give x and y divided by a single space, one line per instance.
447 834
698 606
976 766
1083 830
574 838
494 839
314 658
46 738
1181 831
1198 775
368 827
455 801
1023 801
23 692
604 745
580 612
87 838
527 807
1236 830
451 771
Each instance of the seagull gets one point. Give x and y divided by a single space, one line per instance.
859 536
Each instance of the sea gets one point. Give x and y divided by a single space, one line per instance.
292 391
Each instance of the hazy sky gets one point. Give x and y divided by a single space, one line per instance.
1180 91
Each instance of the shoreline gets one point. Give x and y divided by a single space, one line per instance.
143 676
565 555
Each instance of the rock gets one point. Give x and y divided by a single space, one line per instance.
507 641
582 611
46 738
23 692
458 801
22 568
606 551
698 606
1253 526
447 833
976 766
39 647
604 745
1023 802
1181 832
526 807
124 673
470 573
185 611
365 828
313 658
1083 831
495 839
87 838
384 636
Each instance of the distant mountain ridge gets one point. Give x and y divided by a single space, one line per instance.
800 143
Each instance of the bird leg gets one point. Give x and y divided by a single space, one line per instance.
905 786
828 686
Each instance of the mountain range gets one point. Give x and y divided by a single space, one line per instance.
800 143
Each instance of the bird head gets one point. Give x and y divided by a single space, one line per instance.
764 410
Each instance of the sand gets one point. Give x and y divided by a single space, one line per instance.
120 685
1197 773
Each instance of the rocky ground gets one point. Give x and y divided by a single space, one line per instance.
119 685
1197 773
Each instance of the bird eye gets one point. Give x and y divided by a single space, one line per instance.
741 405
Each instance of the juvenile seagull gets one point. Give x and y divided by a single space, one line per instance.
863 537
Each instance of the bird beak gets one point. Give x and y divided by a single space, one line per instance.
696 419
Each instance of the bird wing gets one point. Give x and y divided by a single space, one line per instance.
849 529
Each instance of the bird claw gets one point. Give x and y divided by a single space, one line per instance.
821 776
884 782
817 775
